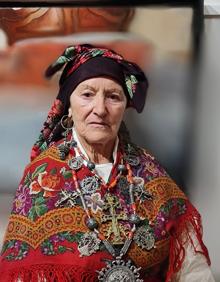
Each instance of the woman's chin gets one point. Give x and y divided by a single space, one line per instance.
99 136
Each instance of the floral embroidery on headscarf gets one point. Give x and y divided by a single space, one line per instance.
131 82
80 54
52 118
91 53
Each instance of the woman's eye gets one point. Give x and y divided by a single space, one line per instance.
114 97
87 94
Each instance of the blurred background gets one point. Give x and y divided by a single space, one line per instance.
180 122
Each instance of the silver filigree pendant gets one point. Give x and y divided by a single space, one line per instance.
144 238
75 163
140 191
119 270
88 244
89 185
67 199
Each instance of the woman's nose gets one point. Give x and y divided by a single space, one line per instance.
100 106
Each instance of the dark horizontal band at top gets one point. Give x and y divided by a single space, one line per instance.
50 3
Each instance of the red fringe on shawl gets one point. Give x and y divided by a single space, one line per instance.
181 233
47 273
55 273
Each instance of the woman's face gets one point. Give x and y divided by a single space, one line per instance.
97 107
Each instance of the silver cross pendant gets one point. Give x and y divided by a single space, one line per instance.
68 198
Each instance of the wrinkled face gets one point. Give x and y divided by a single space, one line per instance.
97 107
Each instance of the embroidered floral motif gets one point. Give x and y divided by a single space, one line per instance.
38 208
66 173
159 227
96 52
150 168
15 250
56 244
50 229
76 53
23 201
170 211
131 82
50 184
68 185
30 176
53 115
94 202
56 108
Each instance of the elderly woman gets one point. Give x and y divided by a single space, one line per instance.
93 206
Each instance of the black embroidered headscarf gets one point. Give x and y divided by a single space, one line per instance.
82 62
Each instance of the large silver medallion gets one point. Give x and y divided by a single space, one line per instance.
75 163
144 238
88 244
119 270
89 185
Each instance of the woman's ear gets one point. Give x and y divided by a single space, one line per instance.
69 113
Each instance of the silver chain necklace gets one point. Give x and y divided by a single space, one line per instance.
117 269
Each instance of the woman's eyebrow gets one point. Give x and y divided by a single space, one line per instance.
108 90
82 87
117 90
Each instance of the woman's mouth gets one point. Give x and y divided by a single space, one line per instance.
98 124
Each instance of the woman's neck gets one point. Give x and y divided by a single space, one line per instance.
98 153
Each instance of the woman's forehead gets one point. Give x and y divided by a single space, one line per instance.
96 82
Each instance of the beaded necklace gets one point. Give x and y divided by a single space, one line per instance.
117 269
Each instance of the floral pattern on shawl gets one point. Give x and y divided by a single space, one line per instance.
49 184
23 200
36 211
